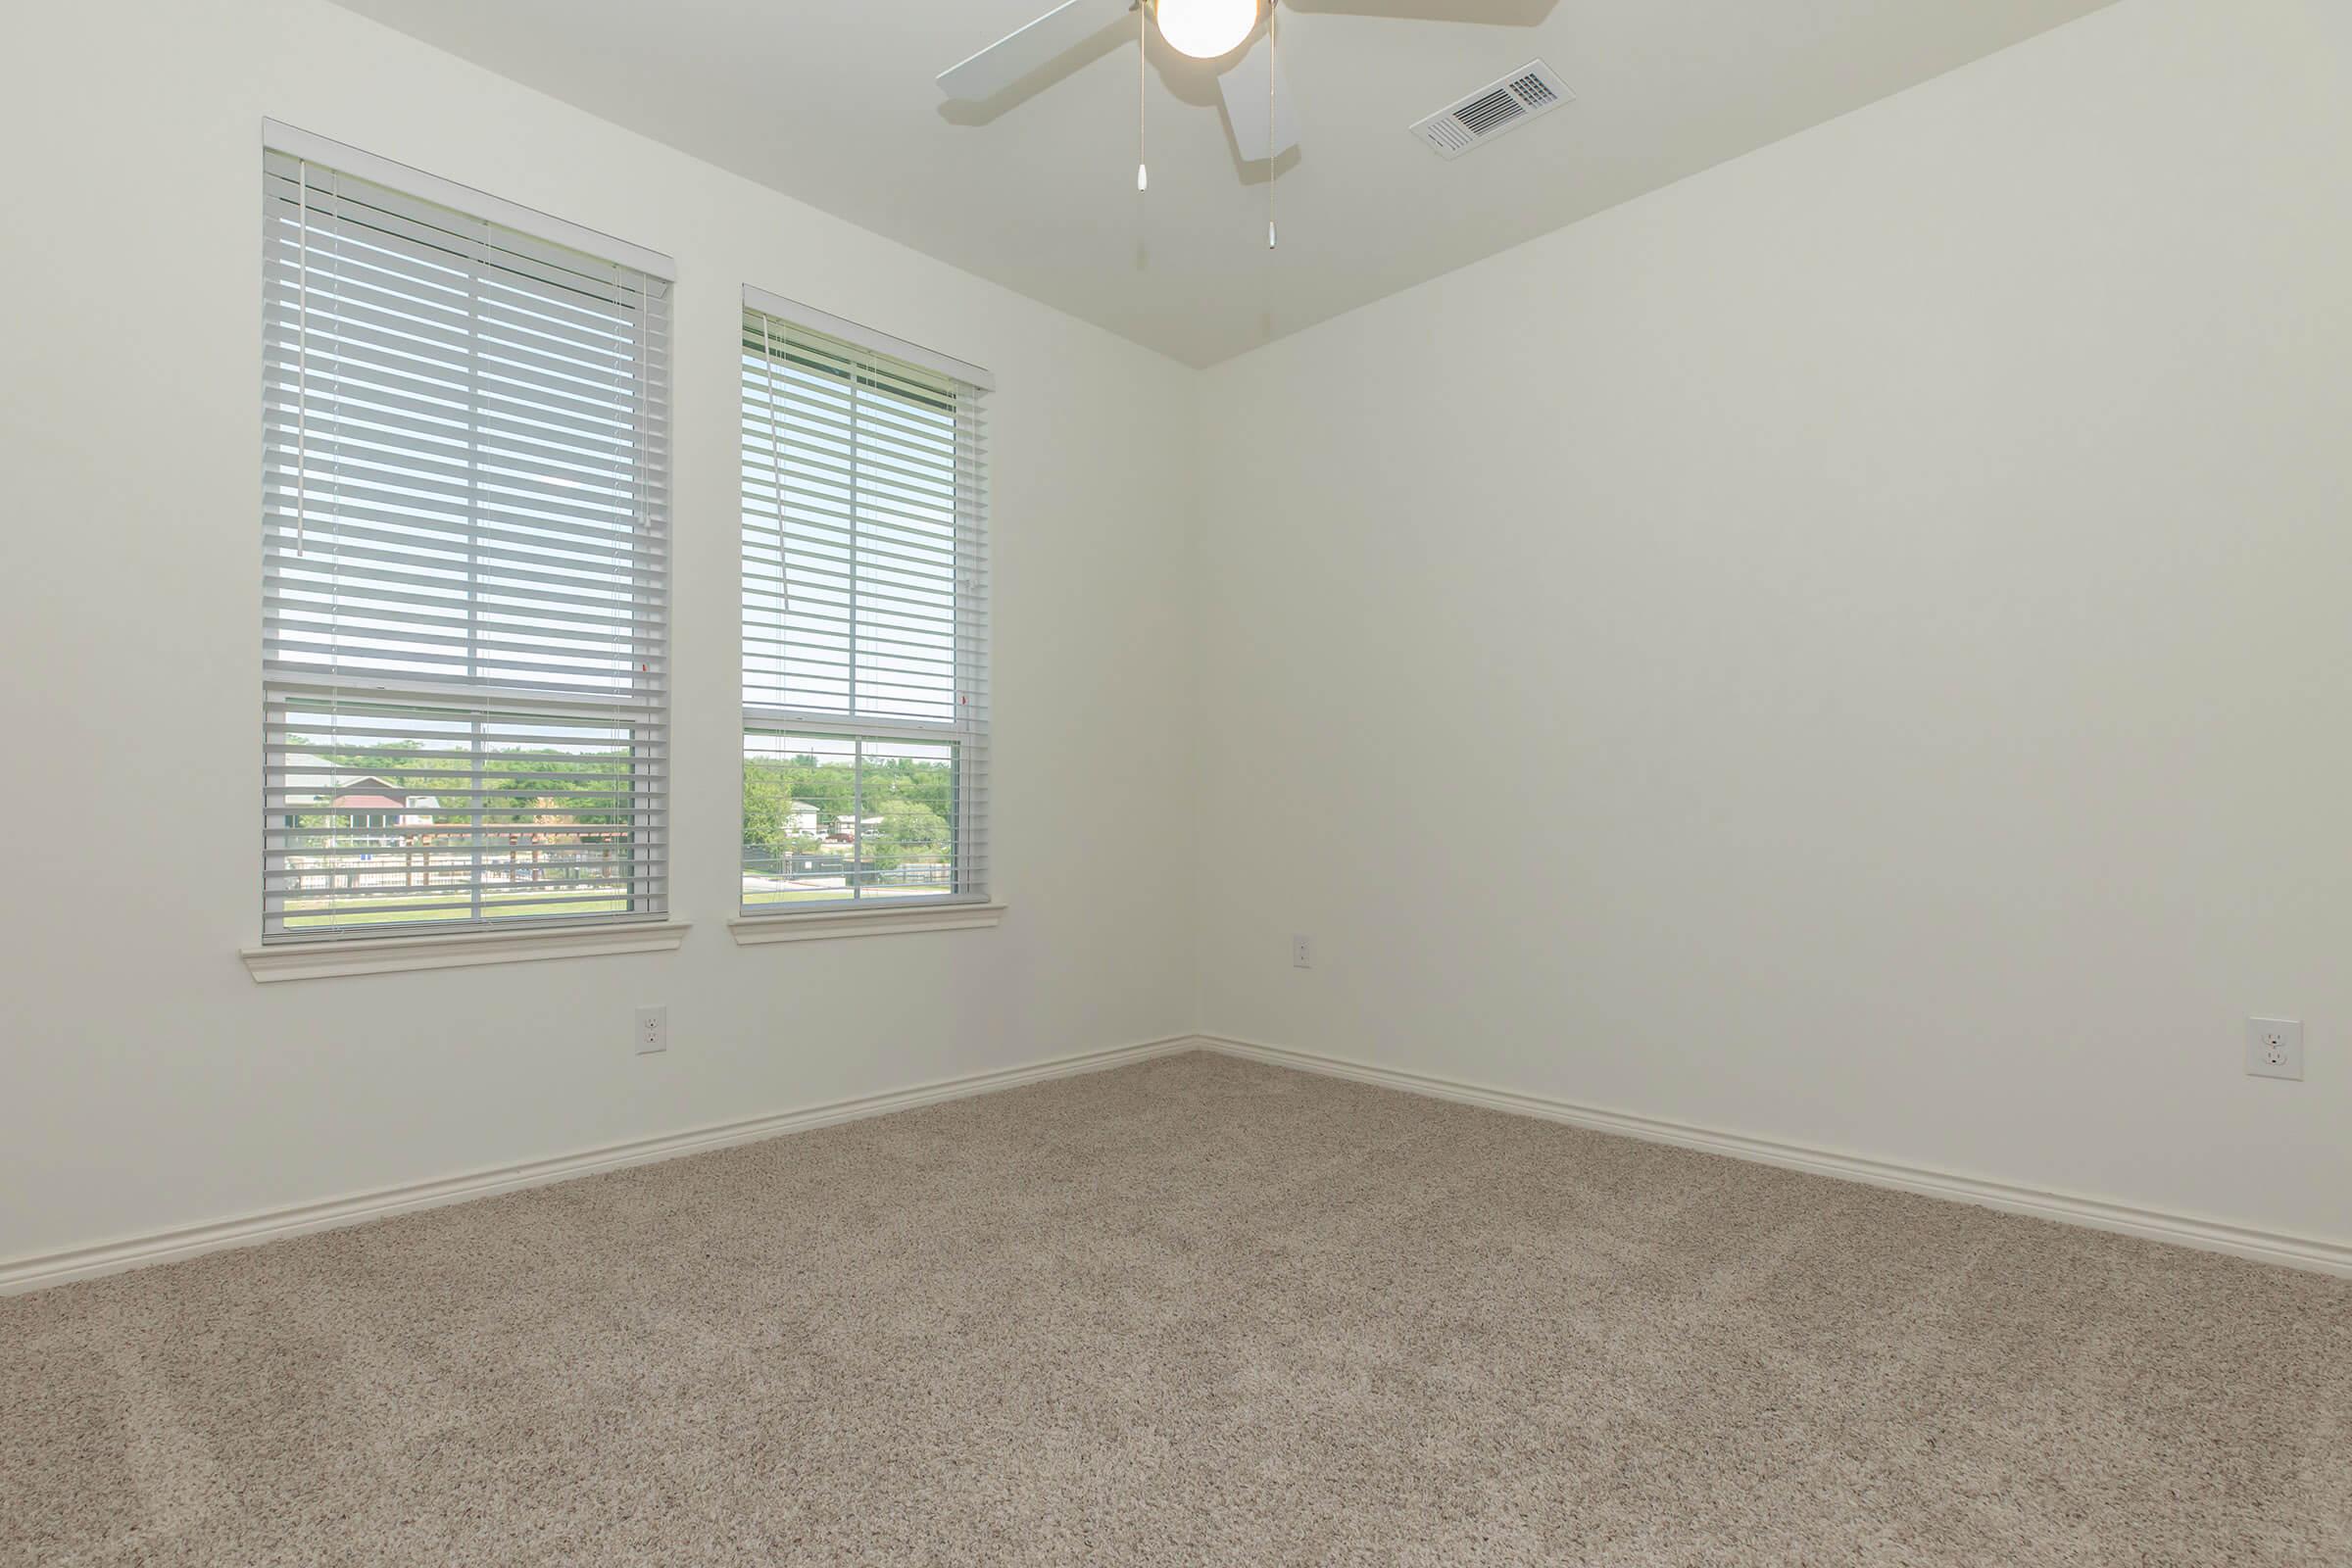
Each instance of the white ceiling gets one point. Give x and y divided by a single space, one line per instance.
834 103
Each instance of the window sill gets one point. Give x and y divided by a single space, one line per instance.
753 929
315 961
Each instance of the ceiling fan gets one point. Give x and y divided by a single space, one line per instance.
1257 108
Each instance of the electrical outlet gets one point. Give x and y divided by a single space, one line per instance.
653 1030
1302 955
2275 1048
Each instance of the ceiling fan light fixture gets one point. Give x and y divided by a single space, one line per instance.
1206 29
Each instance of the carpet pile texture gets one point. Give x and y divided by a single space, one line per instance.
1195 1310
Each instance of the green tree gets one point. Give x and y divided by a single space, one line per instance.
907 829
767 806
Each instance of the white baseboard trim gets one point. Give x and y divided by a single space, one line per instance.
35 1271
2181 1230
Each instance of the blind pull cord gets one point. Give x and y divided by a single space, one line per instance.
302 355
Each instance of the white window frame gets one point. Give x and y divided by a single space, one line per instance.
968 904
295 952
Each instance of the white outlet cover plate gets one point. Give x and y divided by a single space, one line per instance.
2275 1048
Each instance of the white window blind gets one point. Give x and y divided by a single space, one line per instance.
465 567
864 622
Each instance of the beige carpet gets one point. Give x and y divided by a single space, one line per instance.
1194 1312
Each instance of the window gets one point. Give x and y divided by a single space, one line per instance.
464 545
864 618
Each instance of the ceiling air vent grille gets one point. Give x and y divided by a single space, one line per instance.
1491 113
1534 90
1530 90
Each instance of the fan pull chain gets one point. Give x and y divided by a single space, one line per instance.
1273 157
1143 171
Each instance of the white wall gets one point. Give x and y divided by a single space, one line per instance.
1855 648
145 1081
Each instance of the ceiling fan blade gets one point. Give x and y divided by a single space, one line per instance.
1246 107
1036 46
1494 13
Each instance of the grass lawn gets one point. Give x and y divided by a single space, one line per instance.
840 895
317 913
312 912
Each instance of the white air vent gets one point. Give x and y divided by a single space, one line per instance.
1530 90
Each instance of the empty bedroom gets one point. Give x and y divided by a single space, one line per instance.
1176 782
